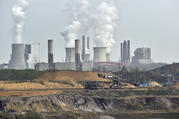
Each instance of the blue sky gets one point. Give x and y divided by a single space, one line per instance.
147 23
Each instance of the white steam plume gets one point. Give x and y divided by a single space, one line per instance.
102 20
70 34
79 24
107 16
18 12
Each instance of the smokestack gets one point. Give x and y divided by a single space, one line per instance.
83 47
121 52
88 42
100 54
77 54
70 55
17 57
128 46
50 54
125 52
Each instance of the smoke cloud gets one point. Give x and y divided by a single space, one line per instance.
78 26
71 33
102 20
18 12
107 16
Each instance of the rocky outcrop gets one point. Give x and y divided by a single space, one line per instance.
56 103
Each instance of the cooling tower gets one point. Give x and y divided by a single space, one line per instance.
77 54
50 54
17 57
70 55
100 54
108 57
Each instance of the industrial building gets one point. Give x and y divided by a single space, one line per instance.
24 56
125 52
50 65
32 55
78 58
142 56
3 66
142 60
42 66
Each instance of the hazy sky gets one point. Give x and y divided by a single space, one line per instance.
147 23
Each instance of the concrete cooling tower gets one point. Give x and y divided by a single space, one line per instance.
17 57
70 55
100 54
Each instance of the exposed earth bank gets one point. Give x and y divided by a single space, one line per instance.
86 104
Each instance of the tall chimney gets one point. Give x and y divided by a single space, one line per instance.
128 46
83 47
125 51
88 43
50 54
77 54
121 52
17 57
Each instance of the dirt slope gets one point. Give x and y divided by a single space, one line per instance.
176 85
48 82
70 75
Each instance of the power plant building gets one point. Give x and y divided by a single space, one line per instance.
78 58
125 52
142 56
32 55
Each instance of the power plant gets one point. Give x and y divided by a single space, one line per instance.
78 57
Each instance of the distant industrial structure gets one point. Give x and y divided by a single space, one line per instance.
3 66
125 52
50 54
142 60
24 56
32 55
142 56
17 57
78 58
